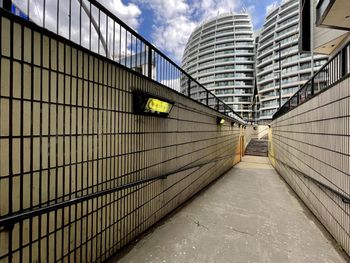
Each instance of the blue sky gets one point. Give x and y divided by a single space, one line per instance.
169 23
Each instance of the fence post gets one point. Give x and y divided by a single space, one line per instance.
149 62
298 97
189 87
7 5
343 61
312 86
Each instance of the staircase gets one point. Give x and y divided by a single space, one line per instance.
257 147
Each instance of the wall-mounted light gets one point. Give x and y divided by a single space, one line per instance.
145 103
220 121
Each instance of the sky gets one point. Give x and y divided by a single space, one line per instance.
169 23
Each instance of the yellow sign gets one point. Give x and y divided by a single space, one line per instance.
158 106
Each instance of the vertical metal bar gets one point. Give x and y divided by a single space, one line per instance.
131 53
189 87
126 47
90 22
28 9
149 62
58 16
113 41
163 67
136 55
44 13
298 96
99 31
343 55
70 20
106 40
7 5
120 44
207 98
80 13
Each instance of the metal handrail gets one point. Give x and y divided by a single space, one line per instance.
132 47
336 69
345 198
7 222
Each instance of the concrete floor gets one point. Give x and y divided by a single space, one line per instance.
249 215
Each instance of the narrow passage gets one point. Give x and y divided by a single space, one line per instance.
248 215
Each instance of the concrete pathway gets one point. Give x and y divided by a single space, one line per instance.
249 215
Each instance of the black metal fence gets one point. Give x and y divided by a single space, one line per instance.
334 70
91 25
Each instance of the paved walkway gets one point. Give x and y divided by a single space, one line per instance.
249 215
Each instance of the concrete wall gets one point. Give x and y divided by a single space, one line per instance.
309 147
248 134
68 131
260 131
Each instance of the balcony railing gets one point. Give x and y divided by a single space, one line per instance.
335 70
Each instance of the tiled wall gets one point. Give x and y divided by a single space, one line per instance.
309 147
68 131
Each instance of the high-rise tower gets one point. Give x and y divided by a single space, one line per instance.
278 58
220 55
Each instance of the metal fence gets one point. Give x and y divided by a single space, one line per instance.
91 25
333 71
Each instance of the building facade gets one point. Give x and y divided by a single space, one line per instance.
279 63
220 55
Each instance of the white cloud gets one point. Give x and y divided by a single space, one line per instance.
128 13
210 8
173 35
167 8
176 20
